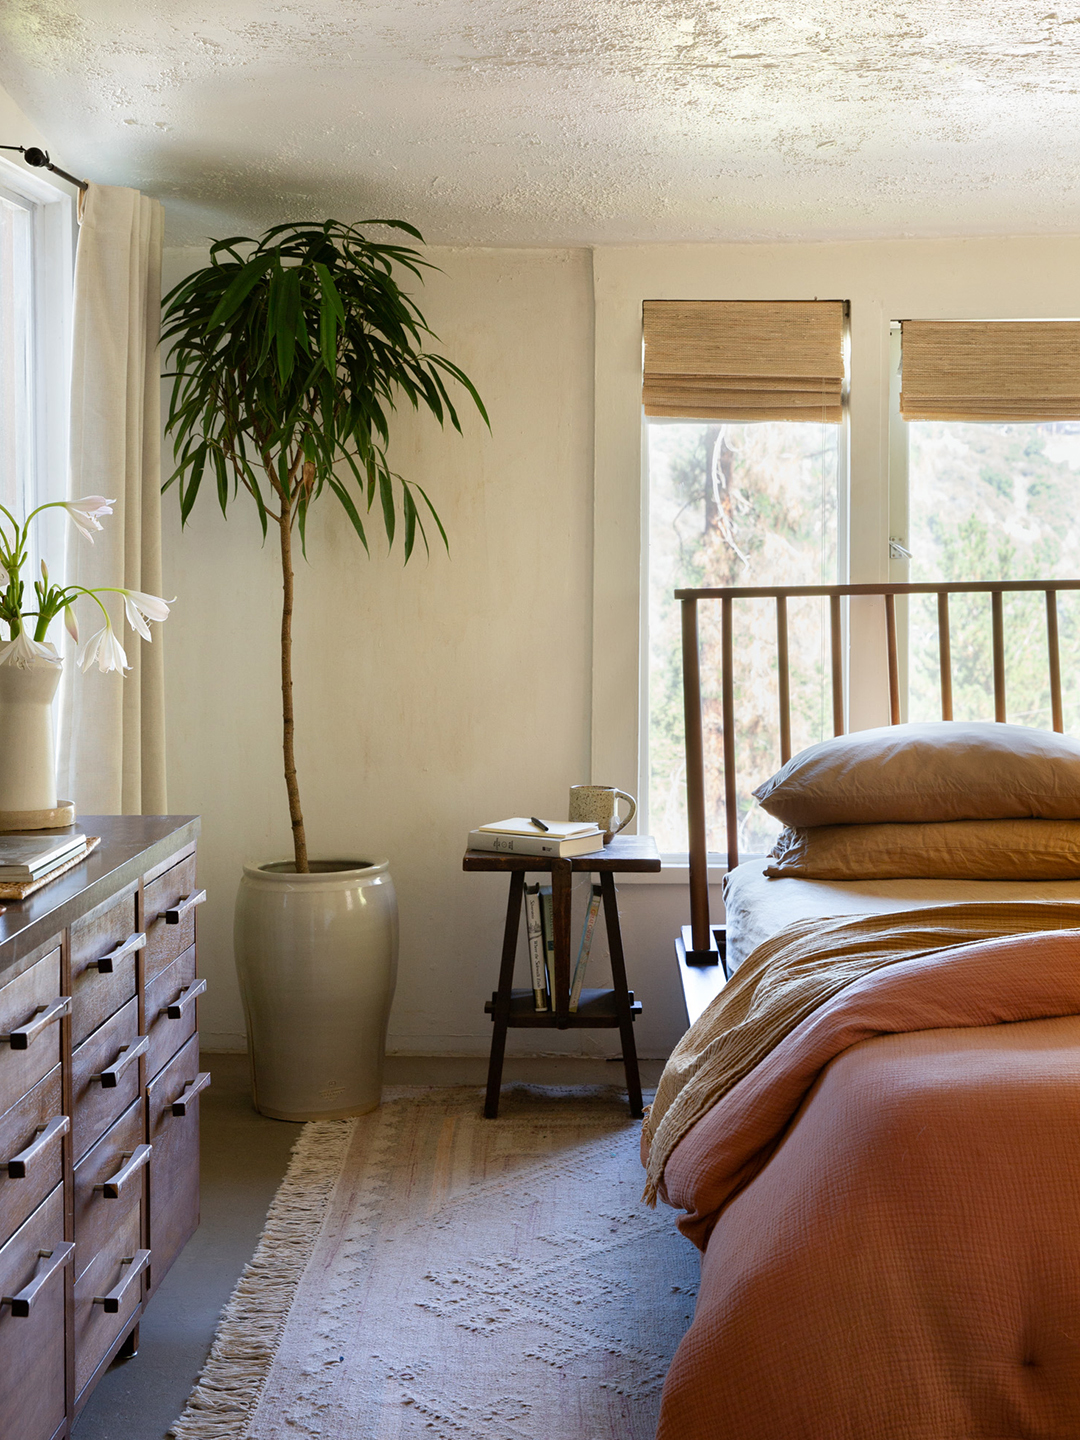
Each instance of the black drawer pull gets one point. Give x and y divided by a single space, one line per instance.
45 1135
115 1298
134 1160
44 1016
110 1076
105 964
180 1105
175 1011
58 1257
176 913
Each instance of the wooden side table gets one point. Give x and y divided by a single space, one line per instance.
597 1009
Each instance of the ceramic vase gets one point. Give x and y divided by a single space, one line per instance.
316 956
27 752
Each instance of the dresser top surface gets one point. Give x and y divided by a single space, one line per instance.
130 846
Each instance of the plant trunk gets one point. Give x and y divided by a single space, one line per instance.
295 813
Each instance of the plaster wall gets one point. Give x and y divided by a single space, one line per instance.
459 689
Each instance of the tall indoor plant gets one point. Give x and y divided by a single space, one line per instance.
288 355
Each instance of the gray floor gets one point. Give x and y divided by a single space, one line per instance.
244 1157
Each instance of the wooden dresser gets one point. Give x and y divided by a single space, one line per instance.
99 1111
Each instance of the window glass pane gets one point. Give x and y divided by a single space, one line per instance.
736 504
994 502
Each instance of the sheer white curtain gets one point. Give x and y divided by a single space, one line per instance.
112 730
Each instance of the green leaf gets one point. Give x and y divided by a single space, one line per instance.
239 289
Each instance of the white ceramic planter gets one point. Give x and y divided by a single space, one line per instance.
316 956
27 755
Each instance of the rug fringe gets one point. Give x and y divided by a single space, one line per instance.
252 1323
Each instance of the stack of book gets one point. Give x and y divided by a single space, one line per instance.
540 930
31 860
523 835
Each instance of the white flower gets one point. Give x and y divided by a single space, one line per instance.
25 653
140 607
71 625
105 648
85 513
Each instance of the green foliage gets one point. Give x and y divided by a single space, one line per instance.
994 502
289 354
739 504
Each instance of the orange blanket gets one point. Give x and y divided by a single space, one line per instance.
890 1202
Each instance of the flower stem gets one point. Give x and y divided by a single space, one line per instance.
295 813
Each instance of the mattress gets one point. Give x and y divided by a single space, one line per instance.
758 907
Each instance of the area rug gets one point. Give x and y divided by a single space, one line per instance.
426 1272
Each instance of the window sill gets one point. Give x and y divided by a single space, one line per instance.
675 870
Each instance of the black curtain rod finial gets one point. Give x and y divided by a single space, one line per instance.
39 159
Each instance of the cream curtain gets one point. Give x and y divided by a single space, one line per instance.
112 730
744 359
991 370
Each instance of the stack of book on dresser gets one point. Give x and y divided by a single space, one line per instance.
28 861
563 839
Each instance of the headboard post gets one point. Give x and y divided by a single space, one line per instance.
695 779
1055 661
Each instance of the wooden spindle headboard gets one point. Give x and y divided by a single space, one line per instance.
836 594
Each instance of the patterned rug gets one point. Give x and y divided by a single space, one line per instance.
426 1272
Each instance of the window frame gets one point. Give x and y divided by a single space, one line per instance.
52 260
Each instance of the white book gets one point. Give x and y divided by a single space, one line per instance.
553 829
585 946
25 857
536 844
535 934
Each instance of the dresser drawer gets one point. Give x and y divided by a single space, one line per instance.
175 891
29 1004
102 964
107 1294
174 1161
105 1077
100 1206
32 1345
35 1121
174 987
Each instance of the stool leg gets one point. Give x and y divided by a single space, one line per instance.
501 1014
622 997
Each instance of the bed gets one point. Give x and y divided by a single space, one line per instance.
874 1133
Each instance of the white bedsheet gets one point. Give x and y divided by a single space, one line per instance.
758 907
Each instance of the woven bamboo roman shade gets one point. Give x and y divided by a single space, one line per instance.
744 359
991 370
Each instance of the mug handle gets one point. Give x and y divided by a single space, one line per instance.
622 795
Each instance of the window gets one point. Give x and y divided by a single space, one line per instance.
990 442
35 305
747 492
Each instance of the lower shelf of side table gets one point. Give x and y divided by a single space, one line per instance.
596 1009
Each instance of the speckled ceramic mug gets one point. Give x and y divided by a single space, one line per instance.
600 804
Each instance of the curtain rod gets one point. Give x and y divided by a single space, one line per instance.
39 159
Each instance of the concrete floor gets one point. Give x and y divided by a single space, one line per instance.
244 1157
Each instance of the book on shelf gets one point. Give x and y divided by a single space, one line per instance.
26 857
503 843
585 946
535 935
547 924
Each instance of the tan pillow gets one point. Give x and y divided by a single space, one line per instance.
941 770
951 850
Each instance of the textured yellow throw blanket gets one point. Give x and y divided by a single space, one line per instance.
788 977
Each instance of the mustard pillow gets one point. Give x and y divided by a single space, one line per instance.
940 770
947 850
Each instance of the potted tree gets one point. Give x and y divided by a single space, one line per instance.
288 355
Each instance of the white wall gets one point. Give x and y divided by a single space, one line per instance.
460 689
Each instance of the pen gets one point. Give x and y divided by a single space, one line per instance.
538 823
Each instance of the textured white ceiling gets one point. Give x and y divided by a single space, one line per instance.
566 121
